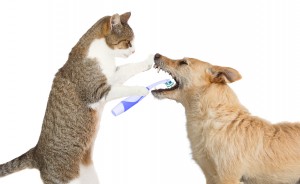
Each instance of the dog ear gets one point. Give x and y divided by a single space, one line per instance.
220 74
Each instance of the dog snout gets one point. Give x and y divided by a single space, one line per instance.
157 56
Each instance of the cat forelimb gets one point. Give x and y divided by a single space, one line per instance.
119 91
125 72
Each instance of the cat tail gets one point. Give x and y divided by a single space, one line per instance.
22 162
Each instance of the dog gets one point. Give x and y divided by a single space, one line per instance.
228 143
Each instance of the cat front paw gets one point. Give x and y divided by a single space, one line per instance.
148 63
141 91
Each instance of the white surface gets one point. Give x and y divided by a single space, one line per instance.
148 143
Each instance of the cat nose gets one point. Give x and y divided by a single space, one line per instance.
157 56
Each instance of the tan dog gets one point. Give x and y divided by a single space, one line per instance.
229 144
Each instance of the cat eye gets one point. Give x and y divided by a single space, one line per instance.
129 44
183 62
126 42
117 43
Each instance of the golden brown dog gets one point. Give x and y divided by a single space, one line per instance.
229 144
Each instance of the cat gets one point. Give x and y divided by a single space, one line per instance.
80 89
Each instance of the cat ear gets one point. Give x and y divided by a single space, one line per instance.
115 20
125 17
223 74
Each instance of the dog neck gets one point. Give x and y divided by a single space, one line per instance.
213 102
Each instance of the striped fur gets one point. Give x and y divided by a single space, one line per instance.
24 161
64 149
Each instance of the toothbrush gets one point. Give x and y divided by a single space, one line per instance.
129 102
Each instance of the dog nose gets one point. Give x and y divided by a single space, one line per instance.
157 56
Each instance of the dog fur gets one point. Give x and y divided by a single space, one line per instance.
228 143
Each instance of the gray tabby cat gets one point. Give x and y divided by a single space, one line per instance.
80 89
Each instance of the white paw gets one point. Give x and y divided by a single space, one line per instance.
141 91
148 63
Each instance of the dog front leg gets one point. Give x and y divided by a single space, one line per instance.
230 181
230 175
210 180
208 169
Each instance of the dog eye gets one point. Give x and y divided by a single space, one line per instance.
183 62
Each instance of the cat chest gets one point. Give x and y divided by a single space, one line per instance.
107 69
99 51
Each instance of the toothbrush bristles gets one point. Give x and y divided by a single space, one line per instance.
169 84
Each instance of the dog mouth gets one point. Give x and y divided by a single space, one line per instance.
172 85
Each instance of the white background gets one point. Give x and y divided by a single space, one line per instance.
147 144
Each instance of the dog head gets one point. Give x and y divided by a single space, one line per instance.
191 75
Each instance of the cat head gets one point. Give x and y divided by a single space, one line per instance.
120 37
